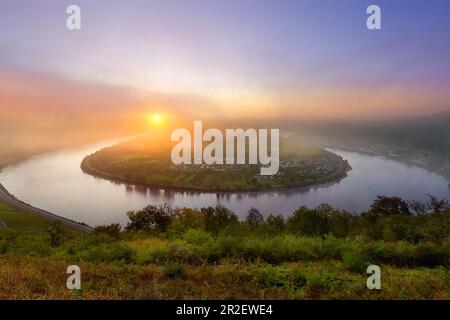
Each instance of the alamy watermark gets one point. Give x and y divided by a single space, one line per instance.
374 20
190 150
74 280
374 280
73 21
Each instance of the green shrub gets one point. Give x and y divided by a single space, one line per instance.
279 277
268 278
175 271
184 219
432 255
355 262
112 230
8 238
234 230
197 237
109 252
370 225
180 251
435 227
379 251
4 246
155 254
404 254
212 251
397 228
88 241
333 248
231 246
56 233
318 284
274 225
341 223
297 279
34 248
280 248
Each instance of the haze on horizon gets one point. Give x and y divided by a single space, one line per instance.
219 59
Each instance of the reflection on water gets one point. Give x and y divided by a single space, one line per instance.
55 182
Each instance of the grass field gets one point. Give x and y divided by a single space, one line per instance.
24 277
188 262
22 222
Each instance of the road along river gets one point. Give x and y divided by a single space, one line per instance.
55 183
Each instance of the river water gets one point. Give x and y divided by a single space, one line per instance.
55 182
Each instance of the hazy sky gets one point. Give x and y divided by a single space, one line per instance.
255 58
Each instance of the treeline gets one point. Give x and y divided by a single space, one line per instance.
392 231
388 219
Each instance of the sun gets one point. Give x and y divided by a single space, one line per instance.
156 119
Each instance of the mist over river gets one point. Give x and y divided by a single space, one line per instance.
55 182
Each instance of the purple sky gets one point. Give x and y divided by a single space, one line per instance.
237 58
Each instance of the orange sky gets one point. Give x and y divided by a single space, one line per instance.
218 61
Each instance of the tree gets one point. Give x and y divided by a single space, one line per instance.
56 233
437 205
339 222
218 217
150 218
254 218
276 223
417 207
309 222
184 219
386 206
112 230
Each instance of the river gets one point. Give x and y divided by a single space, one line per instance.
55 182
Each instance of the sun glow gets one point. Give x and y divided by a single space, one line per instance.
156 119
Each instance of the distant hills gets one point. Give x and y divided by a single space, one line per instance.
427 133
424 141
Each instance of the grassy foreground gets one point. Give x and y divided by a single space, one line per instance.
208 254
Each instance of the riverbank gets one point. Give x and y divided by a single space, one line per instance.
11 200
407 161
